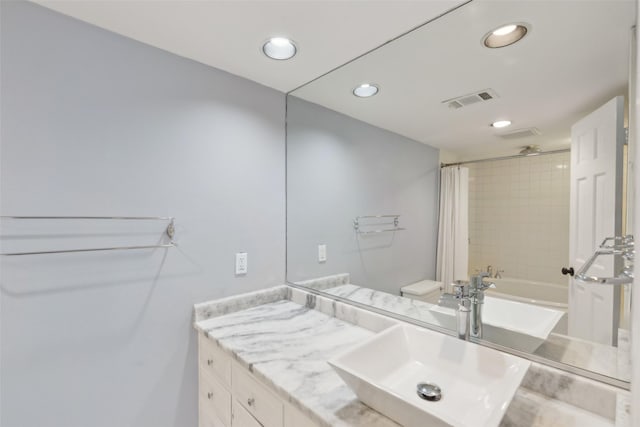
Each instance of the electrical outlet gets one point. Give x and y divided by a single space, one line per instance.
322 253
241 263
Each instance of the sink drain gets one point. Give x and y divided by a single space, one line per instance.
429 391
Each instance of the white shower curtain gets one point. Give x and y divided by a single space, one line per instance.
453 229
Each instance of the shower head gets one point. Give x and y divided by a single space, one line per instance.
530 150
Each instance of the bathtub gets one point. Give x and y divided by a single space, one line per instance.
548 295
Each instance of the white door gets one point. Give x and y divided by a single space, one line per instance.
596 213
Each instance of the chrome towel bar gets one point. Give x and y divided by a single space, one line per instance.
622 246
357 225
169 231
115 248
128 218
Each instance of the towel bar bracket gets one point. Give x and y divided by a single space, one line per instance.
171 229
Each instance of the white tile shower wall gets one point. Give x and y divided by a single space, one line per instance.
519 216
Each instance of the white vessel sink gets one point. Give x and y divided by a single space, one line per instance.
510 323
522 317
477 382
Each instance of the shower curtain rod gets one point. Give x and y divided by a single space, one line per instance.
517 156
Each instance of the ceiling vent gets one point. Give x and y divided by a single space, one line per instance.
521 133
470 99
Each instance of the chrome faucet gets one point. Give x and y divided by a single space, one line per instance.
461 294
470 298
476 295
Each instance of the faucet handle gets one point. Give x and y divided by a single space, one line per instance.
486 285
461 289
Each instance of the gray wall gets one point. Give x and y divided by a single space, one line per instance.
339 168
97 124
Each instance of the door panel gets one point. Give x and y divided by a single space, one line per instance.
596 213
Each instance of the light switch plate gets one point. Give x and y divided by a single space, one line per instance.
322 253
241 263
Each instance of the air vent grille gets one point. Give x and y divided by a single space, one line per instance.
470 99
521 133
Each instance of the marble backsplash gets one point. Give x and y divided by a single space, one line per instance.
235 303
326 282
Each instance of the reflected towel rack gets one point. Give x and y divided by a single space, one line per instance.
169 231
622 246
357 225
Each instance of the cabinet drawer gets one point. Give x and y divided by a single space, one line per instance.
241 418
214 402
214 361
294 418
265 406
209 419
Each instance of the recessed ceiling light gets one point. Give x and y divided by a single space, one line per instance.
366 90
279 48
505 35
501 124
503 31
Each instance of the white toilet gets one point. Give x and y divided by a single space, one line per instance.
425 290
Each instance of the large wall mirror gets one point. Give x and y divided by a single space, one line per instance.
403 184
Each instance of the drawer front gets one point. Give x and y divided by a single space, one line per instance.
209 419
241 418
294 418
214 361
215 400
265 406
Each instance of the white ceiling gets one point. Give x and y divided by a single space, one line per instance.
229 34
574 59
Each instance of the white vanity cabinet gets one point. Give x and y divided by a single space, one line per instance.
214 383
241 417
294 418
230 396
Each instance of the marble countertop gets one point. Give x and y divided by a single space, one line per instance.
287 346
285 336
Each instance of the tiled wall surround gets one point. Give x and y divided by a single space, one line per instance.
519 216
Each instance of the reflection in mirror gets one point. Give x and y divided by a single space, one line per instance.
416 201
